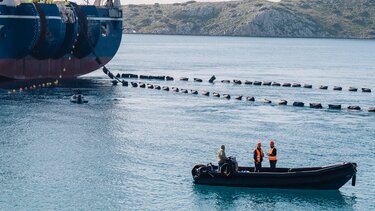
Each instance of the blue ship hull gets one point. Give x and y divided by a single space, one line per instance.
57 40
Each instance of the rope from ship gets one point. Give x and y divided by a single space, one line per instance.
97 59
43 28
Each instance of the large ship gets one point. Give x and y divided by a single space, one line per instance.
57 39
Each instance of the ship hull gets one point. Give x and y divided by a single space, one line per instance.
57 40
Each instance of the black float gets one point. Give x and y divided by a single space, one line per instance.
238 97
298 104
334 106
205 93
134 84
296 85
175 89
226 96
283 102
354 108
169 78
265 100
165 88
237 82
352 89
366 90
287 85
184 91
194 92
212 79
337 88
316 105
215 94
267 83
124 83
249 98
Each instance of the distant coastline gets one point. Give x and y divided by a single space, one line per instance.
346 19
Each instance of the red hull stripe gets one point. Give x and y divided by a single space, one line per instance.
30 68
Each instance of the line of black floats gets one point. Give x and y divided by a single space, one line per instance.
239 82
226 96
237 97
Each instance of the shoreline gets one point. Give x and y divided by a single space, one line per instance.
279 37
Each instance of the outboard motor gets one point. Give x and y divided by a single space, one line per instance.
230 167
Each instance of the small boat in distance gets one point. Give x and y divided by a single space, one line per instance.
78 98
330 177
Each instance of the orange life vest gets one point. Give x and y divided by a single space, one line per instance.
270 156
259 155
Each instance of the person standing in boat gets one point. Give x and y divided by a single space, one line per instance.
221 157
258 157
272 155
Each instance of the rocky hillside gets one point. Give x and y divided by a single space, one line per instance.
288 18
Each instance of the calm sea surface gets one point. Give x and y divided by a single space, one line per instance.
133 149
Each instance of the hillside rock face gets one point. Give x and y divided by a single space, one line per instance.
288 18
272 23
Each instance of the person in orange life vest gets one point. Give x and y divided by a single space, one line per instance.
258 157
272 155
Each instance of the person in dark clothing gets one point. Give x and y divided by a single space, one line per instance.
221 157
258 157
272 155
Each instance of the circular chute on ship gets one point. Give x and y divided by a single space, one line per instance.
53 31
22 32
89 31
69 17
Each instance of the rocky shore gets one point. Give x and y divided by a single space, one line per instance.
288 18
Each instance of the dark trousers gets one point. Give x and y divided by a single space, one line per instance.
220 165
258 166
273 164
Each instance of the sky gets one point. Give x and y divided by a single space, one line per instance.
161 1
123 2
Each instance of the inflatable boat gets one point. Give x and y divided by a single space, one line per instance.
331 177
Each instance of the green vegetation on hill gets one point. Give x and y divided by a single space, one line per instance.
288 18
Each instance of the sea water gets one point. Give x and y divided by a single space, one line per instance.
133 148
